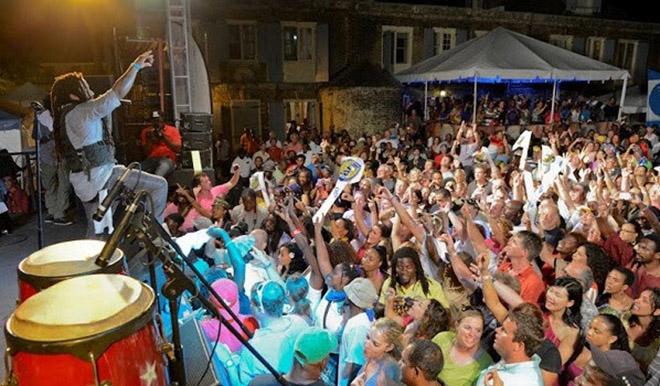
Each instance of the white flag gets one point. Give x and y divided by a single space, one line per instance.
523 143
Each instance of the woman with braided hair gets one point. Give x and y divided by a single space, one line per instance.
86 144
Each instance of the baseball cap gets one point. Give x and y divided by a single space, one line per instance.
361 292
219 201
314 345
619 364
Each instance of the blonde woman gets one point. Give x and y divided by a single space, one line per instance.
382 351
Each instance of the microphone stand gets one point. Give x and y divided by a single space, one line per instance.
177 283
36 106
126 197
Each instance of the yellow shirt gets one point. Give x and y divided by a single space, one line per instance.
415 291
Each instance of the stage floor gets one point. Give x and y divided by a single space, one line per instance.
18 245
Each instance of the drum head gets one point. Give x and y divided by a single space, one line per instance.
69 258
82 307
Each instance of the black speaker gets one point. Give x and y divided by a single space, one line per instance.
204 155
196 122
184 177
196 354
197 140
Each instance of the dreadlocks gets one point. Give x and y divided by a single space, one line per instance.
64 86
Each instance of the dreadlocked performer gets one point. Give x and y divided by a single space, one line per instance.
86 144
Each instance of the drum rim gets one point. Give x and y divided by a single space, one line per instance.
81 346
24 266
42 282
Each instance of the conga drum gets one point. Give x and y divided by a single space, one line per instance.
89 330
62 261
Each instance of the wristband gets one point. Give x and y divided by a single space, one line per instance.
137 66
296 232
486 277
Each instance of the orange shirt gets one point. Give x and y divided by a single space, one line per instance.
531 284
159 148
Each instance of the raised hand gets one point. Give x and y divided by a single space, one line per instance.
146 59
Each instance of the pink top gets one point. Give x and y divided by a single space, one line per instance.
205 200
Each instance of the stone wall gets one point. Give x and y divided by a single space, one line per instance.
360 109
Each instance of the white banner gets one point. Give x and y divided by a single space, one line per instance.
257 182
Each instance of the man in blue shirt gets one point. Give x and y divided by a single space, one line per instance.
516 340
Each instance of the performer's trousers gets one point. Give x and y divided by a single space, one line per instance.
156 186
55 181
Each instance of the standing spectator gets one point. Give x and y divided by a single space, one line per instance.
245 166
248 142
248 212
54 174
421 362
516 341
204 196
464 357
382 350
647 264
18 202
162 143
361 296
311 351
610 110
222 149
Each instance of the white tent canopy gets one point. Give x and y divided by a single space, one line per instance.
503 54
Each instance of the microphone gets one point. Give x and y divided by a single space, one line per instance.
116 189
111 245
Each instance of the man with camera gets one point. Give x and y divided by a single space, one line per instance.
161 143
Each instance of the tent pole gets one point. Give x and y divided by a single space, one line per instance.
426 101
474 103
623 98
552 104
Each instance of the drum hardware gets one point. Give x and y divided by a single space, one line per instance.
167 348
10 379
151 233
95 369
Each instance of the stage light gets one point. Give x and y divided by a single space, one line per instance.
443 93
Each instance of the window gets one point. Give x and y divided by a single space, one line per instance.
595 47
401 47
242 41
397 44
563 41
445 39
301 110
298 41
626 50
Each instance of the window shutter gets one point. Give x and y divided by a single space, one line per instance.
429 43
269 49
322 58
388 44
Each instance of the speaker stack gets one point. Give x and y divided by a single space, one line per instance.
196 136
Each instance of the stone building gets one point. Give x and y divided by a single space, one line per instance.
274 61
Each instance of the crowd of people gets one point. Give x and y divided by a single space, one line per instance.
463 258
523 110
464 255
